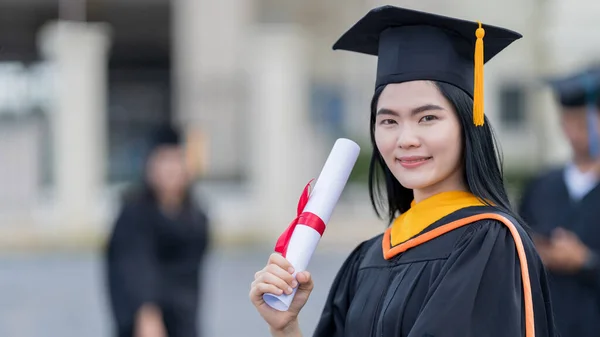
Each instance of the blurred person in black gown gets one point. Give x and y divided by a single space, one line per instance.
562 206
155 252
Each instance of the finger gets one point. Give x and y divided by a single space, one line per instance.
276 281
305 281
257 292
282 274
561 233
281 261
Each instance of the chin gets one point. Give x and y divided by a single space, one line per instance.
414 184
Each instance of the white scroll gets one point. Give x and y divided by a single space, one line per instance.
321 202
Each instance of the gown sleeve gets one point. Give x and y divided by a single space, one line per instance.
132 266
479 291
589 274
333 317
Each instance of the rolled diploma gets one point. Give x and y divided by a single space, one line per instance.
322 200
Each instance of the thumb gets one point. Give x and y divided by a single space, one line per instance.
305 282
305 286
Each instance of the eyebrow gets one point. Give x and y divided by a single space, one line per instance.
423 108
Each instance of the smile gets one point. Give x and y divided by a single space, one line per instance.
412 162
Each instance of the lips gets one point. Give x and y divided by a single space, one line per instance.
413 159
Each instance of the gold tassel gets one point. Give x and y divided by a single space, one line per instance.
478 118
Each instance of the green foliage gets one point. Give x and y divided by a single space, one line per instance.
360 173
515 181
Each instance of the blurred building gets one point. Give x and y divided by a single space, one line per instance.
255 84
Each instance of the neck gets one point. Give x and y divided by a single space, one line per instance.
584 163
450 184
170 202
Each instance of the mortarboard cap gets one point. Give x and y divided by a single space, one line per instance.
165 135
413 45
582 90
577 90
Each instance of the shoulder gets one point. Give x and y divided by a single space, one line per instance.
362 248
503 244
496 224
132 208
132 217
502 233
348 271
357 255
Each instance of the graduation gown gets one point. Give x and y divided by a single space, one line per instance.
546 205
465 282
154 259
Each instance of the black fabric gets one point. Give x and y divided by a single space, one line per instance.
413 45
152 258
576 90
546 205
464 283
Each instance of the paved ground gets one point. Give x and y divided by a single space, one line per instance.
62 295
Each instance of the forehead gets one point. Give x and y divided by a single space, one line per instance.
167 152
407 95
574 112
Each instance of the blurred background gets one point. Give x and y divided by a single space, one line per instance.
261 98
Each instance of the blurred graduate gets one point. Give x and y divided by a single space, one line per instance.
455 260
156 250
563 207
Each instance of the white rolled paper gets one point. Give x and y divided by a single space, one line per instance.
322 201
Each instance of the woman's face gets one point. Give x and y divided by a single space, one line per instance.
419 137
167 172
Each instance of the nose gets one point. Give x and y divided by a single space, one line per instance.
407 138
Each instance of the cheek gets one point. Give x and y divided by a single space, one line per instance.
574 127
385 141
446 144
176 172
575 133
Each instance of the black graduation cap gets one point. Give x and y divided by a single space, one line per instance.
165 135
413 45
578 89
582 89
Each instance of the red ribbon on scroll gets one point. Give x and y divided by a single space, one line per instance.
304 218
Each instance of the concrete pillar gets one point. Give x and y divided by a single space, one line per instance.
282 146
77 52
208 76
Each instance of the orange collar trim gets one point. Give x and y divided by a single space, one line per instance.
426 212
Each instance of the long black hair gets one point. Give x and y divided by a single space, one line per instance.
482 161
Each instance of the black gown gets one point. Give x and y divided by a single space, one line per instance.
465 283
546 205
152 258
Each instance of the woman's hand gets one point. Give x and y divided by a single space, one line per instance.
276 278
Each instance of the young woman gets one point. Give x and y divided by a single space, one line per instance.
455 260
156 251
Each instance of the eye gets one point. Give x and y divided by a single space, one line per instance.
387 122
428 118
